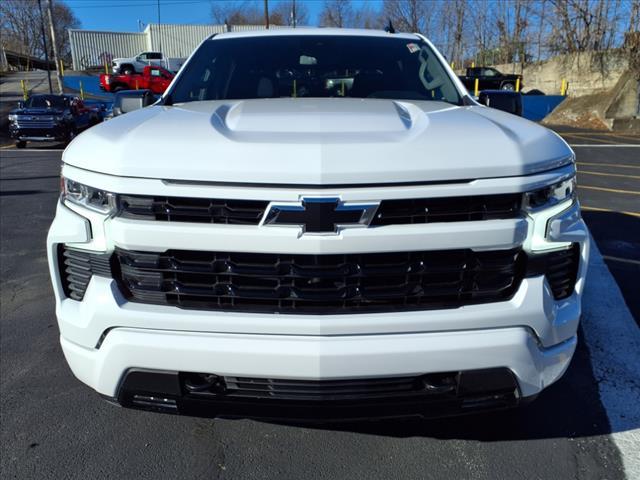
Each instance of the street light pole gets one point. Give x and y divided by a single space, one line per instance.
266 14
46 50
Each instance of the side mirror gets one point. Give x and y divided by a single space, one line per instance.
21 104
510 102
129 100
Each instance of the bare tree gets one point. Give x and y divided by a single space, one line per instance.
409 15
20 27
284 10
337 13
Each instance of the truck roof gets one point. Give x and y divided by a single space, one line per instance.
307 31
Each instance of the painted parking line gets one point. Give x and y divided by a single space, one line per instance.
613 338
598 209
586 172
595 145
621 260
615 165
612 190
593 139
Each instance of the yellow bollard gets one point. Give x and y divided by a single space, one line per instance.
473 64
453 65
24 90
81 90
61 69
517 84
106 67
136 84
563 88
475 87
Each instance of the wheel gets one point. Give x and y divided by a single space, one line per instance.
128 70
117 88
21 144
507 86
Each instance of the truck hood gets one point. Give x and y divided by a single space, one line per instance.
317 142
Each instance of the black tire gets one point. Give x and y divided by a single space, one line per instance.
127 70
508 86
21 144
117 88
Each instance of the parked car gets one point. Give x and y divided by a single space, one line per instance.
318 223
489 79
45 118
156 79
136 64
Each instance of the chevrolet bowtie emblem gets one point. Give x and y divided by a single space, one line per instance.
320 215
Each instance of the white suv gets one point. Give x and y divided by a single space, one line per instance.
318 223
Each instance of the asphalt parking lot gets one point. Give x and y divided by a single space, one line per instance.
585 426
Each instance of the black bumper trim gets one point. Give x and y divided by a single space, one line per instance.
474 391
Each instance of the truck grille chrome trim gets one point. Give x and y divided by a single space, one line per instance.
390 212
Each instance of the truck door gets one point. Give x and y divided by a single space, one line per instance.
159 80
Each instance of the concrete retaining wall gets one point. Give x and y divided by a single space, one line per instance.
587 73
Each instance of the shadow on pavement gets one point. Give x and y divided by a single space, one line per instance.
618 238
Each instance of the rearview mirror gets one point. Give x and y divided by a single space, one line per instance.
129 100
510 102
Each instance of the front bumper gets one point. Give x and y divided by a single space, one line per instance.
105 337
39 134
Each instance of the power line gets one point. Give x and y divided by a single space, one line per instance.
129 5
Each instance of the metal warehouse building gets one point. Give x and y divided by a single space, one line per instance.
91 48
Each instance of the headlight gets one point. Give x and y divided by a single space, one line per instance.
13 117
551 195
89 197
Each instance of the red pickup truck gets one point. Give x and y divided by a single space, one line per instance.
153 78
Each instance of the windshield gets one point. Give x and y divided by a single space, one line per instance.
46 101
314 66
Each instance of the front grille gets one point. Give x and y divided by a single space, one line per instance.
452 209
198 210
44 124
77 267
322 284
390 212
312 390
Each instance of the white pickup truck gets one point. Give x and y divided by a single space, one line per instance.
318 223
127 66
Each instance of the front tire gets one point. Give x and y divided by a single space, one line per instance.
21 144
508 86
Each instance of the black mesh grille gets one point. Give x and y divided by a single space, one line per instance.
390 212
320 284
452 209
77 267
198 210
560 269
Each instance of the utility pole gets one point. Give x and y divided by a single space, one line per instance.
55 47
44 41
266 14
159 31
294 20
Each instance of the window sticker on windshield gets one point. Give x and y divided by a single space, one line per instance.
413 47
